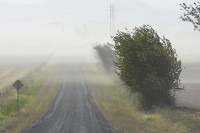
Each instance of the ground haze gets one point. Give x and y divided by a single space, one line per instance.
190 79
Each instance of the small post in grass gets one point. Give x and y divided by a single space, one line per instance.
18 85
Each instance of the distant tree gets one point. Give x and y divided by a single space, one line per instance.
192 14
148 64
106 55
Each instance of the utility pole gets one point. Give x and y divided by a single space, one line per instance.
63 34
112 19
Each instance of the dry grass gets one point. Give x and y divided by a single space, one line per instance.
8 75
38 105
114 102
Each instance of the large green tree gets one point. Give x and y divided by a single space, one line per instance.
192 14
147 64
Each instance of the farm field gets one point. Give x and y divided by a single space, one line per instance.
190 79
8 75
39 81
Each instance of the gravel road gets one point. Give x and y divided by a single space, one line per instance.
73 110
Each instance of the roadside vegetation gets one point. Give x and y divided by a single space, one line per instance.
9 107
146 63
34 100
191 14
141 97
122 109
106 56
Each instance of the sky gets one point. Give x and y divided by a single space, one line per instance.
70 28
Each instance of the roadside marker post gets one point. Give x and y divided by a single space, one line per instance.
18 85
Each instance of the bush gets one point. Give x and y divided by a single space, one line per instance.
148 64
106 55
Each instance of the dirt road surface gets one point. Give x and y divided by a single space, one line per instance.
73 110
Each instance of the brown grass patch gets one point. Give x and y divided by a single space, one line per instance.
39 105
114 102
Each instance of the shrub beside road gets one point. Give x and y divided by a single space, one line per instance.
122 109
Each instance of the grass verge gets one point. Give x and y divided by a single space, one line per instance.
114 102
35 99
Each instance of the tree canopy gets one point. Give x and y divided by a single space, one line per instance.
192 14
147 64
106 55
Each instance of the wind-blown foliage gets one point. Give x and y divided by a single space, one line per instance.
192 14
147 64
106 55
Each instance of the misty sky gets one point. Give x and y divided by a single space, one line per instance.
70 27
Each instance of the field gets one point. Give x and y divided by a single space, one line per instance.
122 109
8 75
119 106
190 79
34 99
